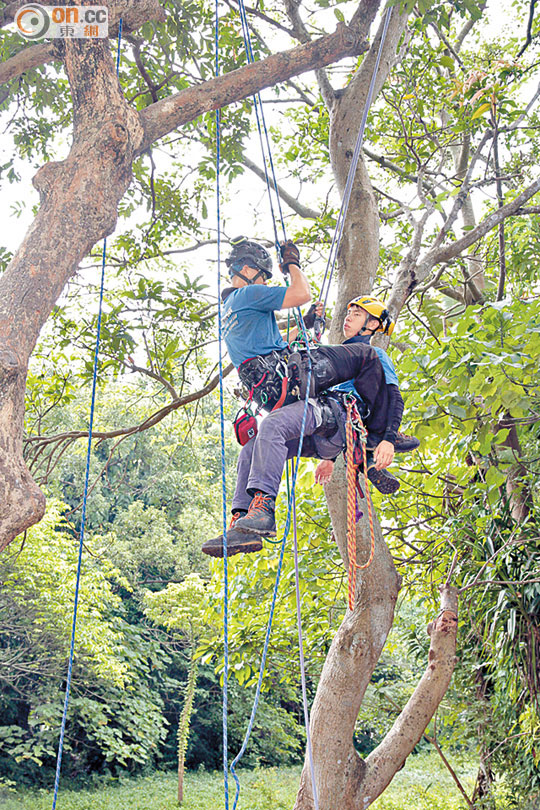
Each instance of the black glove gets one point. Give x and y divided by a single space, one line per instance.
309 317
289 255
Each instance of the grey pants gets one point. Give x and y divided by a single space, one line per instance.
262 460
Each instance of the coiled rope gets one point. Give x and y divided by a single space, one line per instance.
352 472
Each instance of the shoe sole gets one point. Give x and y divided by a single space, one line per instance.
248 547
406 448
384 484
261 533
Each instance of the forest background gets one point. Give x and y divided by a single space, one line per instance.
466 348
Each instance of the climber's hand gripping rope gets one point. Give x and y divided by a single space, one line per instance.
289 255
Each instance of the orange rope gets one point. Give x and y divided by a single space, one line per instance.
352 470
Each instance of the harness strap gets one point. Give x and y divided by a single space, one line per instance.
281 400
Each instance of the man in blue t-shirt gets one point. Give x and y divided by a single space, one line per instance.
258 351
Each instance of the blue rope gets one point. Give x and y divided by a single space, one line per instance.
267 155
273 604
302 662
85 500
222 442
336 240
261 126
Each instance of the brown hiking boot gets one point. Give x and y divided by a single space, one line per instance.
261 517
237 542
383 480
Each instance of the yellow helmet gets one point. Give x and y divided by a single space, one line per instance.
377 309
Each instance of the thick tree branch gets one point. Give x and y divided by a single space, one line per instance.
168 114
134 13
383 763
28 58
360 81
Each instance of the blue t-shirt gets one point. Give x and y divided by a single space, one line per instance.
249 323
390 375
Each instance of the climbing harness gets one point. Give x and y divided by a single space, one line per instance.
85 499
354 424
265 379
336 239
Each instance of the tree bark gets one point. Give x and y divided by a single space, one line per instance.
353 655
358 257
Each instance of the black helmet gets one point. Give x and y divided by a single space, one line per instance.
251 253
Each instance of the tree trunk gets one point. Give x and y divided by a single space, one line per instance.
79 198
358 258
347 671
343 778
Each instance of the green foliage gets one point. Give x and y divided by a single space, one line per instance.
179 607
423 782
115 715
252 581
472 395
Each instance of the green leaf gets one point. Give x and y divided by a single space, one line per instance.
481 110
446 61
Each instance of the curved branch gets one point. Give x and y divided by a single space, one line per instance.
38 442
383 763
292 202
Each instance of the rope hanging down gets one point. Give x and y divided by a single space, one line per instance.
85 498
336 239
261 124
291 508
222 440
266 149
